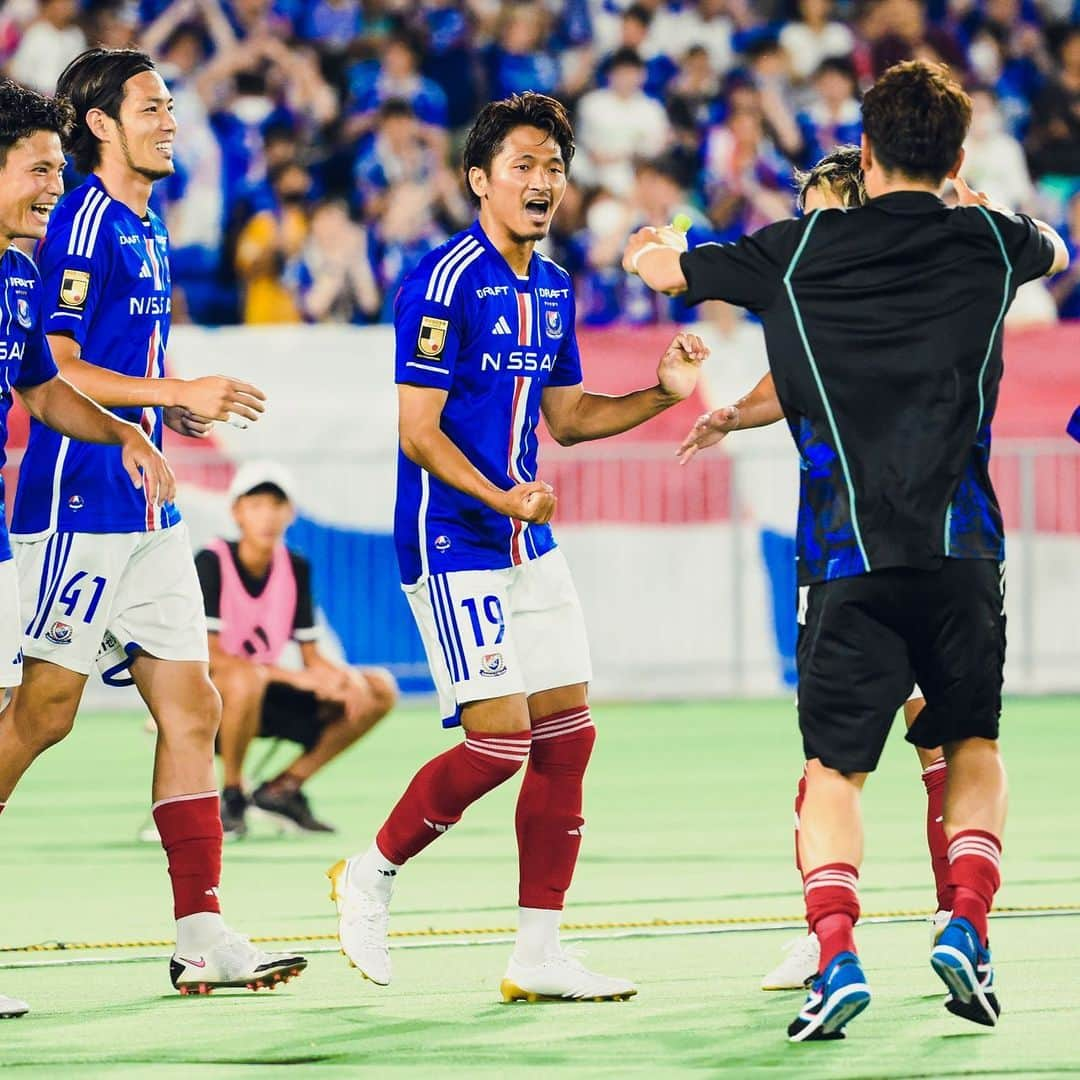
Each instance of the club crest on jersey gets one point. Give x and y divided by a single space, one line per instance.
553 322
491 664
59 633
442 543
76 502
74 288
432 338
22 312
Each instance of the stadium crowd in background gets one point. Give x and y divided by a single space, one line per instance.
319 141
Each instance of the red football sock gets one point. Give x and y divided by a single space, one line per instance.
832 908
190 831
442 790
800 795
975 874
934 776
548 819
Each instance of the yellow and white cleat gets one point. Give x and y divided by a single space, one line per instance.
363 922
561 977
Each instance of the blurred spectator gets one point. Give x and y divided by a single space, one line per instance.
814 37
659 69
395 77
401 148
48 45
331 24
518 61
1065 288
899 30
712 24
993 160
268 242
747 181
1053 142
449 59
332 278
833 116
405 233
617 124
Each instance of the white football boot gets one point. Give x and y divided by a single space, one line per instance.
10 1008
561 977
798 968
363 920
231 961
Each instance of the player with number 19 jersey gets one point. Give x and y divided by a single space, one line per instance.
106 283
465 323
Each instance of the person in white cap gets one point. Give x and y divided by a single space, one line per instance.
257 595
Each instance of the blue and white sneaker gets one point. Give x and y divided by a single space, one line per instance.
836 996
963 965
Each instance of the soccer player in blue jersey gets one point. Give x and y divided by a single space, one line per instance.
98 559
485 345
31 167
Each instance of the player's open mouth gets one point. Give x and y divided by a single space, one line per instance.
165 148
537 210
41 211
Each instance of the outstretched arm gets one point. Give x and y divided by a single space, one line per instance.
759 408
574 416
424 442
60 406
213 397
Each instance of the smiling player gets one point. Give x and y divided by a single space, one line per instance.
31 163
97 556
485 344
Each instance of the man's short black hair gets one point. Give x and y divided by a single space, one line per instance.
267 487
498 118
395 107
625 57
841 65
916 117
24 112
639 13
95 80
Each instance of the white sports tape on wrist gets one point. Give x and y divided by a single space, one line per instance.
648 247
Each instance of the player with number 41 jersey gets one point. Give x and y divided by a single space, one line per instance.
485 345
104 566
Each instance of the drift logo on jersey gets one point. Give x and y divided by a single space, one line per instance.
491 664
74 289
432 337
59 633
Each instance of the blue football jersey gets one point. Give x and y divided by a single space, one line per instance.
105 282
25 359
465 323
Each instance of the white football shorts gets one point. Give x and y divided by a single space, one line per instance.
140 588
10 626
492 633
